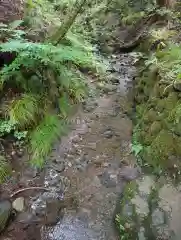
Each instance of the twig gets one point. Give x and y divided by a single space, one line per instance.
28 188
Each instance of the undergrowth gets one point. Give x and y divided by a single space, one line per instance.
45 80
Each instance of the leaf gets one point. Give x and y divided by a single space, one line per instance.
15 24
137 148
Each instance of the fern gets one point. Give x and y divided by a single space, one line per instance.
48 78
43 137
24 110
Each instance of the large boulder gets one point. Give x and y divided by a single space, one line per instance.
5 212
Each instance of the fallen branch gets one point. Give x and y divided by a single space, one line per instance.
28 188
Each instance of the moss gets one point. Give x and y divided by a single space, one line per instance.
160 105
155 128
140 98
171 101
175 113
146 91
178 145
156 91
148 139
150 116
160 149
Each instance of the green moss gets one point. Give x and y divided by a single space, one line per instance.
156 90
171 101
160 149
150 116
155 128
177 146
160 105
175 113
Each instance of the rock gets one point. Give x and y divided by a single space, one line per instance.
106 180
52 178
141 206
129 173
90 105
54 212
92 145
109 88
158 217
108 134
141 234
59 167
5 211
177 85
19 204
26 218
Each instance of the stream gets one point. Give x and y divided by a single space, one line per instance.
96 155
88 170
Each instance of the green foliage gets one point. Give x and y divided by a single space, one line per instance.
6 127
42 138
24 111
49 80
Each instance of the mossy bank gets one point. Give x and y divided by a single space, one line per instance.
157 123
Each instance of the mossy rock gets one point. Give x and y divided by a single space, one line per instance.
177 129
140 98
150 116
156 90
160 105
171 101
175 113
155 128
147 91
177 145
160 149
139 89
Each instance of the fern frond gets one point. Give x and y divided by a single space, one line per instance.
43 137
24 111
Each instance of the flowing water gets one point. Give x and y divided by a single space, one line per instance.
94 155
88 169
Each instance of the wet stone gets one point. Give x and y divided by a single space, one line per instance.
158 217
108 134
59 167
141 234
26 218
129 173
106 180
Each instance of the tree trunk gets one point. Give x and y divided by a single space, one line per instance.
67 23
166 3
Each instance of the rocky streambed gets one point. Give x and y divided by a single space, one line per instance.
92 176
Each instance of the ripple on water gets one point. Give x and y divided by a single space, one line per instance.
71 228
